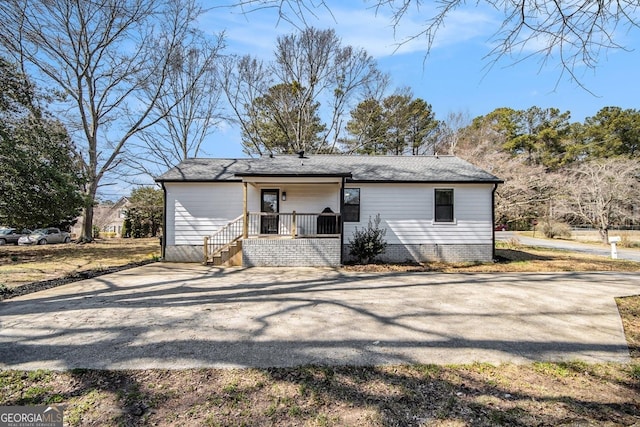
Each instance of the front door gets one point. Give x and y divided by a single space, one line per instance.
270 205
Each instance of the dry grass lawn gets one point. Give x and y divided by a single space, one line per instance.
629 238
512 257
20 265
629 308
538 394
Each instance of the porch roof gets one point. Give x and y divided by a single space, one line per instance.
352 168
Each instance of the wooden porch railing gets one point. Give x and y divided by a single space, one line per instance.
294 224
222 238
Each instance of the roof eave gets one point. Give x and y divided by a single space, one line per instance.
294 175
424 181
195 180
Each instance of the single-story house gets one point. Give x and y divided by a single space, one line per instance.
302 210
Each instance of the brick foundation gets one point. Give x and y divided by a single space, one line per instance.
326 253
433 252
291 252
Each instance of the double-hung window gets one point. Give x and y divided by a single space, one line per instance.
351 205
444 205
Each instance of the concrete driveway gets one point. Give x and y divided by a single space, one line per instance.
187 315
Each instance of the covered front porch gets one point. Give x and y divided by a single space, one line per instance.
286 221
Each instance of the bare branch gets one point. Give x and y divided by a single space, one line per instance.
574 33
104 56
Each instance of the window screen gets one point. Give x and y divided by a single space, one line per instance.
351 206
444 205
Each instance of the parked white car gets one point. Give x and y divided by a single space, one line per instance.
44 236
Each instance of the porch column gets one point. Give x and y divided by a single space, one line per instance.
341 222
245 214
294 226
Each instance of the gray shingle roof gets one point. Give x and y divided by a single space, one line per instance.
354 168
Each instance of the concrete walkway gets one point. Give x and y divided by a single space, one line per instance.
187 315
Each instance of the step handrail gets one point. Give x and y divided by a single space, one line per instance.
223 238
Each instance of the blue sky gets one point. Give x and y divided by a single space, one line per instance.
454 77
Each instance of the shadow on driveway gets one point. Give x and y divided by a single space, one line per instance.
188 315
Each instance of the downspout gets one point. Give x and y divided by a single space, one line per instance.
342 222
163 239
493 220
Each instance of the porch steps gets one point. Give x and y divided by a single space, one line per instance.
230 255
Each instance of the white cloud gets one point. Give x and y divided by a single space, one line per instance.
252 33
375 31
359 26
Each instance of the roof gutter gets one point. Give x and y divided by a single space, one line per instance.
430 181
163 238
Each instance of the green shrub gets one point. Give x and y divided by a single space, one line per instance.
5 290
365 245
126 228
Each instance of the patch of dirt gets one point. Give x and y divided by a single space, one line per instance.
479 395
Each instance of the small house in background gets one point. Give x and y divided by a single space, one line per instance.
302 211
107 217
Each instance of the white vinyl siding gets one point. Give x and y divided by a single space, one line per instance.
407 212
195 210
302 198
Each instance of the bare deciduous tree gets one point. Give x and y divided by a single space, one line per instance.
189 106
245 79
601 193
327 74
450 131
330 73
527 188
104 58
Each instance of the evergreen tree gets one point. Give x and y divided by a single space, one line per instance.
366 129
40 182
397 125
144 215
612 132
285 122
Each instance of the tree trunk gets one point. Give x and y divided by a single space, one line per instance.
87 224
604 235
86 234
